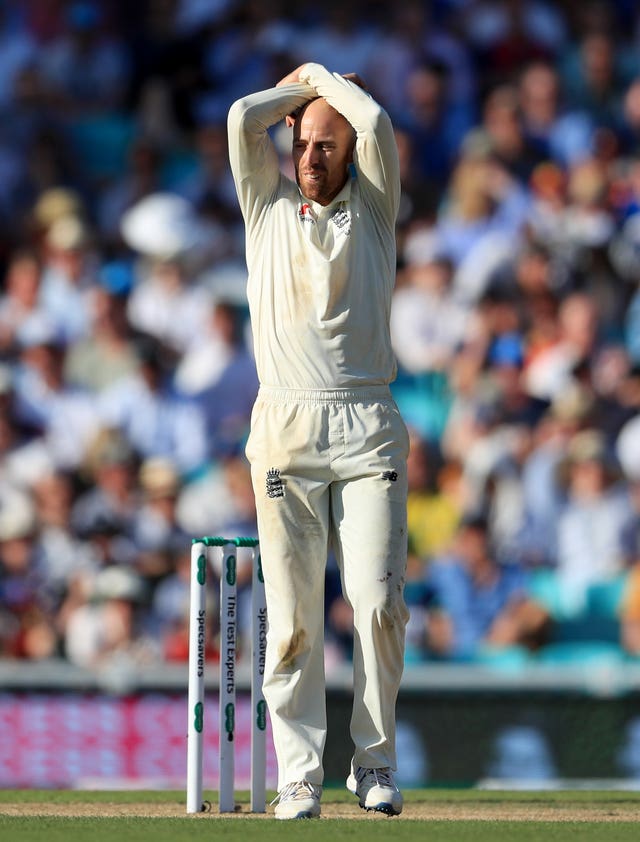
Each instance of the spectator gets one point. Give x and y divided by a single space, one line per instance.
218 373
504 132
23 455
552 370
542 495
481 219
155 529
435 124
20 309
154 421
483 606
65 561
588 221
561 136
594 80
105 632
428 322
107 354
26 612
591 523
166 305
64 416
109 503
435 500
67 276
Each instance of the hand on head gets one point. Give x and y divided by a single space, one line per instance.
357 80
294 76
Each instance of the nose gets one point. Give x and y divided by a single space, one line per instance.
311 155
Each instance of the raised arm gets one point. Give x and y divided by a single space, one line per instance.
253 158
376 153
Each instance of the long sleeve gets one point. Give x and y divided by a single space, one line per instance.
252 155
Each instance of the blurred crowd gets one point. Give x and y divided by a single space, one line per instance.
126 367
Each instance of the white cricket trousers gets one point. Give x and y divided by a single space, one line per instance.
329 470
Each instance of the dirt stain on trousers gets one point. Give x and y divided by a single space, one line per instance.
289 650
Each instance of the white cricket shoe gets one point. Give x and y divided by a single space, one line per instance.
298 800
376 790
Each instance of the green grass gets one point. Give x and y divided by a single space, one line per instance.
587 806
233 830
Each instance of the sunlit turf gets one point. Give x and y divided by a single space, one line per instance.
585 805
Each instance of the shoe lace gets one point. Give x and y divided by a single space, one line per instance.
296 791
382 777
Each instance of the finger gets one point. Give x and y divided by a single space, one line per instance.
356 79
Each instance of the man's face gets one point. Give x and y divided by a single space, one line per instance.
322 150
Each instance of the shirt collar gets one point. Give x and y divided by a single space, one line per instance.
342 196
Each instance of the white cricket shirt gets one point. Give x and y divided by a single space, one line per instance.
320 278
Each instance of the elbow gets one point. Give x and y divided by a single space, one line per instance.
245 117
237 114
382 122
374 115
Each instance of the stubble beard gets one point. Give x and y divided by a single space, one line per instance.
313 186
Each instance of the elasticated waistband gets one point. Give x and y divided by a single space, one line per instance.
360 394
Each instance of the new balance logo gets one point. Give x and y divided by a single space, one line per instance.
305 214
391 476
275 486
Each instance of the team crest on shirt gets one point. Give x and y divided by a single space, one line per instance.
342 220
275 486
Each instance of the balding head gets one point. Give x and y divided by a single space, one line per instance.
319 115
